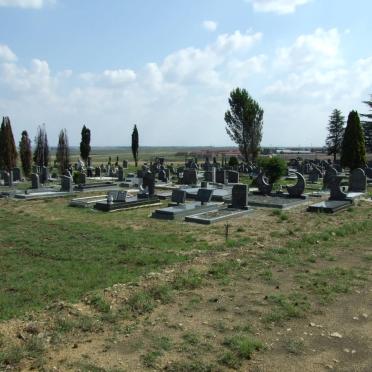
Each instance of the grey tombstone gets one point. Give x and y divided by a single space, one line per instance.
16 174
204 195
221 176
368 172
66 183
35 181
232 176
113 195
82 178
298 189
121 196
335 190
178 196
239 197
263 185
97 172
358 181
329 174
120 174
190 177
210 175
8 178
44 174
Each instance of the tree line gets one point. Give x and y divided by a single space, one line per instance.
40 155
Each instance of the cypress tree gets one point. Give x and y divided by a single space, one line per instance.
353 152
85 144
41 152
367 126
8 147
135 144
25 153
2 131
63 152
336 129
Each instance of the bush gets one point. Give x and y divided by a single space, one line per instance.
233 161
274 167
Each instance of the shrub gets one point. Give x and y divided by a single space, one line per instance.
273 167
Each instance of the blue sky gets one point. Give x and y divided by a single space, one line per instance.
168 66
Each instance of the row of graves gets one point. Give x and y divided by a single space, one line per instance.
204 193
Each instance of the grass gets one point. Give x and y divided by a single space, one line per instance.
62 259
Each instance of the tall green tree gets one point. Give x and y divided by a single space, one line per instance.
8 150
244 123
135 144
336 128
41 152
25 153
353 152
63 151
85 144
367 126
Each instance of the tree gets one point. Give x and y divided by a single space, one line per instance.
135 144
85 144
25 153
63 152
41 152
336 128
244 123
233 161
367 126
8 150
274 167
353 152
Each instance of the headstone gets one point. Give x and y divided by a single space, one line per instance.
125 164
35 181
330 172
178 196
264 187
335 190
358 181
368 172
16 174
221 176
149 182
162 175
90 172
66 183
8 178
239 197
204 184
313 176
120 174
298 189
204 195
97 172
82 178
210 175
44 174
232 176
121 196
190 177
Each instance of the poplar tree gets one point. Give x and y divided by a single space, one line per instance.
63 152
8 150
25 153
41 152
135 144
85 144
353 152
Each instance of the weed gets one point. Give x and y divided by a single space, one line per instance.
99 303
149 359
190 280
162 293
294 346
11 355
141 303
243 345
230 360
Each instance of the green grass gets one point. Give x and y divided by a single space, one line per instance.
44 260
242 346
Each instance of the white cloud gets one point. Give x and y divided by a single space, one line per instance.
34 4
210 25
277 6
6 54
119 77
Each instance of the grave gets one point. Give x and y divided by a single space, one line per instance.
210 175
87 202
190 177
66 183
179 209
329 206
237 208
358 181
298 189
95 185
118 200
16 174
219 193
232 176
35 181
40 195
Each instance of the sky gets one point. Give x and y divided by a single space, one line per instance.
168 66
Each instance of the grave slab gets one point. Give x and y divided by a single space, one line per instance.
330 206
275 201
207 218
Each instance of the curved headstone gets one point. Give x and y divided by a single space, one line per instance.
335 188
298 189
358 181
330 172
264 187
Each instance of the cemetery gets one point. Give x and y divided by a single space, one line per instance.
179 193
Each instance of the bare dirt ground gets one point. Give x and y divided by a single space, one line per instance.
287 292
